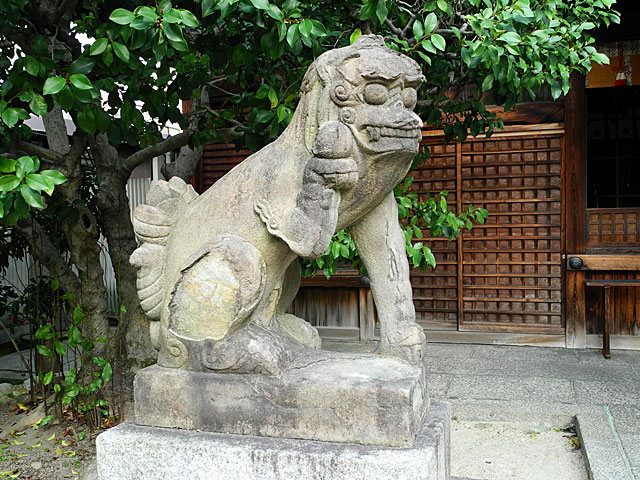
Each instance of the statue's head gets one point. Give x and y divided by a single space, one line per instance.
369 88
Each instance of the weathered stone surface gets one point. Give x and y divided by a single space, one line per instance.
326 396
129 451
215 265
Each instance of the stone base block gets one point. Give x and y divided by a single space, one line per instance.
132 452
333 397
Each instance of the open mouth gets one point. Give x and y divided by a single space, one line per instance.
375 133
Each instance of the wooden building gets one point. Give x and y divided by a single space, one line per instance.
560 251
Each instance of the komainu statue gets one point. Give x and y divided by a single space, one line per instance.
217 272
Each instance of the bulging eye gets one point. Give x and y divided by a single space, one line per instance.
409 97
376 94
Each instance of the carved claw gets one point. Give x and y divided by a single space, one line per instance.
335 173
407 341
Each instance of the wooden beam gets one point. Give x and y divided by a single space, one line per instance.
608 262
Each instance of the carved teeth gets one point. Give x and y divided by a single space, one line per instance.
374 133
398 132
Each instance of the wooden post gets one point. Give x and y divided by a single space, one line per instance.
574 204
608 313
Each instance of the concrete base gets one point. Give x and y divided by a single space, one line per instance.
331 397
132 452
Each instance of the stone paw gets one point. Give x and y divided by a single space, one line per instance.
407 342
299 329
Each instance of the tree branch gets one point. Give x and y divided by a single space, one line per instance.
31 149
152 151
47 254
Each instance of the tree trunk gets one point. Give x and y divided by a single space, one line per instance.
116 225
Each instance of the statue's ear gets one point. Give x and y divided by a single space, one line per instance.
340 94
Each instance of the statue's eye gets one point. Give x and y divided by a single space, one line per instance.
375 94
409 97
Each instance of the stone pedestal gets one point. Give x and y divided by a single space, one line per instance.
130 451
327 396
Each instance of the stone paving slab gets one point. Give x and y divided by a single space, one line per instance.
604 451
510 388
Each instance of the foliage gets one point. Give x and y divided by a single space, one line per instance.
58 339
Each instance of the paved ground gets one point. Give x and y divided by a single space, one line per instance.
498 383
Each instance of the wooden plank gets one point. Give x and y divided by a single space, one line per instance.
486 338
513 327
366 314
460 255
609 262
618 342
614 282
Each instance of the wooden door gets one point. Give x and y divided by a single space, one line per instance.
506 275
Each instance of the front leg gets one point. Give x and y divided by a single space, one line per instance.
381 245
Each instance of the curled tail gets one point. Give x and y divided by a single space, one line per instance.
152 224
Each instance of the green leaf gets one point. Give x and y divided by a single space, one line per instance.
54 176
107 56
60 348
75 336
355 35
32 66
382 11
418 30
107 372
174 35
430 23
24 165
39 183
273 97
86 120
8 183
77 314
38 105
260 4
122 16
292 34
82 65
282 113
42 350
80 81
65 98
30 196
188 18
487 83
7 165
10 116
305 27
264 116
512 38
98 46
442 5
55 284
53 85
208 7
46 380
43 332
438 41
121 51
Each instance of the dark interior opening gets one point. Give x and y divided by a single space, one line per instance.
613 147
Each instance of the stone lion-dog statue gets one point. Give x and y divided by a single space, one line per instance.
218 271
